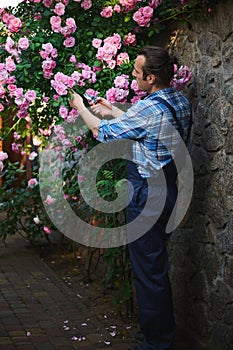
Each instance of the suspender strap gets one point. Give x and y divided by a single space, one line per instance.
173 112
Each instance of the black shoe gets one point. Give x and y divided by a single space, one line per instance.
138 336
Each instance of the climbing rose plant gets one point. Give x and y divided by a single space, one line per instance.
48 47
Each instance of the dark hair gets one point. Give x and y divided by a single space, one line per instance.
159 63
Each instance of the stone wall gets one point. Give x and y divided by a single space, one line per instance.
201 249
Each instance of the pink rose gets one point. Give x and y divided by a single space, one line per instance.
48 64
81 178
121 95
30 95
47 230
66 142
96 43
70 22
110 94
16 136
182 76
11 87
143 16
47 74
23 43
73 59
3 156
14 25
92 92
22 113
123 57
61 77
11 80
148 11
60 88
54 53
32 182
49 200
130 39
63 111
86 4
107 12
18 93
69 42
117 8
55 22
156 3
44 54
1 107
59 9
9 44
10 64
48 3
2 91
1 166
45 99
37 16
48 47
15 147
70 82
121 81
32 155
36 141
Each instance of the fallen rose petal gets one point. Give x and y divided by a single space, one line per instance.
84 324
113 334
28 334
74 338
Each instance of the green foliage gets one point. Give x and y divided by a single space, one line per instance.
20 204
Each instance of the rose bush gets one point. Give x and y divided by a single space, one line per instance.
50 46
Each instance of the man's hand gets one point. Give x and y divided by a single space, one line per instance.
76 101
102 107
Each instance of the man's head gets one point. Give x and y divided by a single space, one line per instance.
154 68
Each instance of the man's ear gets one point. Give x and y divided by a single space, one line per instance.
151 78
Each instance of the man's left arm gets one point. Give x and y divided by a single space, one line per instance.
89 119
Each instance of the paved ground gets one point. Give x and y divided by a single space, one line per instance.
38 311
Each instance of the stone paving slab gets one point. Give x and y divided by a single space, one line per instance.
38 311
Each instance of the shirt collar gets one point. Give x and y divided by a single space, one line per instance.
160 92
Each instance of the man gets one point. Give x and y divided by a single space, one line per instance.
148 124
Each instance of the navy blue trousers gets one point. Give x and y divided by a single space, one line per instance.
149 257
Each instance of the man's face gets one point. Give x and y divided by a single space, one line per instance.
138 73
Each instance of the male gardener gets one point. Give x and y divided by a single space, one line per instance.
148 123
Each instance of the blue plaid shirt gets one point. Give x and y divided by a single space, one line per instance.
148 122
